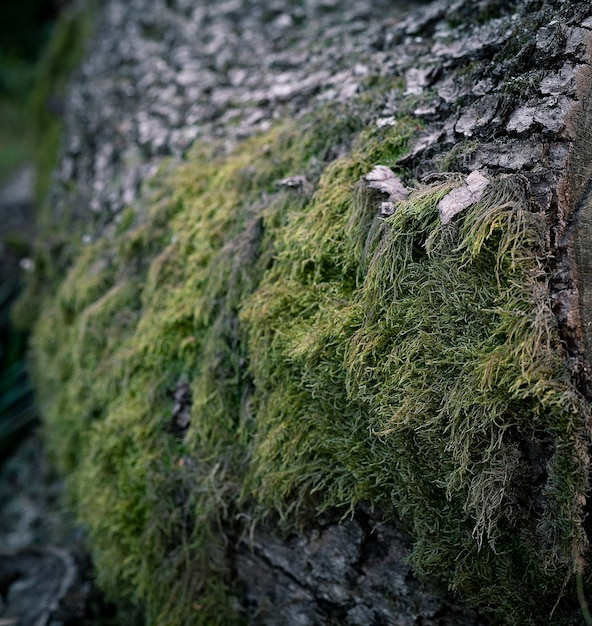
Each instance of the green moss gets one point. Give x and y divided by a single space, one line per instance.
416 386
135 314
333 357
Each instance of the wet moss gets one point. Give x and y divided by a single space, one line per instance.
333 357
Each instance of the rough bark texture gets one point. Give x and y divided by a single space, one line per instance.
505 83
162 74
354 572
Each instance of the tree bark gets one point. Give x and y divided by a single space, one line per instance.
503 87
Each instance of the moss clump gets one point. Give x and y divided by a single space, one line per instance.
332 356
156 303
416 367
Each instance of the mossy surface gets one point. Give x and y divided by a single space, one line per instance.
333 357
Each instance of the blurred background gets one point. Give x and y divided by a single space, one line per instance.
25 27
25 30
41 546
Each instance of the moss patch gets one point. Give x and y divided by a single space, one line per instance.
416 367
332 357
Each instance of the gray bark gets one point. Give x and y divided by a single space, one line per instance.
354 572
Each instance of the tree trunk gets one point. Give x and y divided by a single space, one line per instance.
497 88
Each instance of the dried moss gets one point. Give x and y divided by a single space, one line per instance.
333 357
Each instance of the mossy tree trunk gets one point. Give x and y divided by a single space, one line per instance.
274 372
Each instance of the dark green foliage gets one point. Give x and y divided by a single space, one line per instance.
61 56
23 29
33 78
